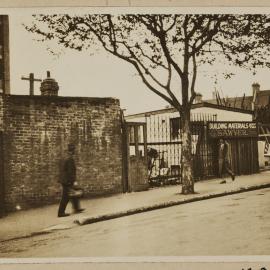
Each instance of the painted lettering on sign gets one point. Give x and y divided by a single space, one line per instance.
232 129
266 149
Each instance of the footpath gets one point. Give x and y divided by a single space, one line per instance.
37 221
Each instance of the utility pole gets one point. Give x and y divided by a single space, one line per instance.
31 80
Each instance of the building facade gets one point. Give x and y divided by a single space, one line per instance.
259 103
164 137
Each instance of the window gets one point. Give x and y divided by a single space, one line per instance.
175 127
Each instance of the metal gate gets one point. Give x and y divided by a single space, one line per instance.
204 150
164 148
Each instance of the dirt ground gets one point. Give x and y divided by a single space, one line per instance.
231 225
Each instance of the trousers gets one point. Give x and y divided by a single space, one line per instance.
65 199
224 166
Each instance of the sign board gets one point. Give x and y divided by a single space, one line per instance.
266 149
232 129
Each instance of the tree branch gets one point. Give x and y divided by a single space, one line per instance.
194 76
172 25
151 59
150 86
204 38
162 38
143 66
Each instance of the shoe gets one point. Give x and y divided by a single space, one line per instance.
223 182
79 210
233 177
63 215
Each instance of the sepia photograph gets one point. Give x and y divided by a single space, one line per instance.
134 133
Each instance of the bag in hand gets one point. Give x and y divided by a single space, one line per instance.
75 192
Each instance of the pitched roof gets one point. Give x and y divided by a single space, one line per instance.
245 102
236 102
194 106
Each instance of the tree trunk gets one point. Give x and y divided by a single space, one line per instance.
186 156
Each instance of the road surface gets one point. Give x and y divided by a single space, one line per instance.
232 225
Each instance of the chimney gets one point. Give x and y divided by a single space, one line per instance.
255 88
198 98
49 87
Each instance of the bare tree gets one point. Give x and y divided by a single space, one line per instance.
164 49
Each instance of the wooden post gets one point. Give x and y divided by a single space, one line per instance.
128 158
136 141
145 142
125 158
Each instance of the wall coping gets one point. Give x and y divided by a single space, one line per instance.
60 98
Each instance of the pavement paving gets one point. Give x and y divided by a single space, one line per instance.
43 220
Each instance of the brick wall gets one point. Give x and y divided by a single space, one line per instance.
37 130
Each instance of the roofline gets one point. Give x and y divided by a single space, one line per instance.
225 108
194 106
145 114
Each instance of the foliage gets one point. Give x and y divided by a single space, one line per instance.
161 47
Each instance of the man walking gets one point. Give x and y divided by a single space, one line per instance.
68 180
224 160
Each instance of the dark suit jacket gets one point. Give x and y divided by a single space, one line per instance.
68 175
223 153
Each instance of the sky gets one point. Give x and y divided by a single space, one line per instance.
103 75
